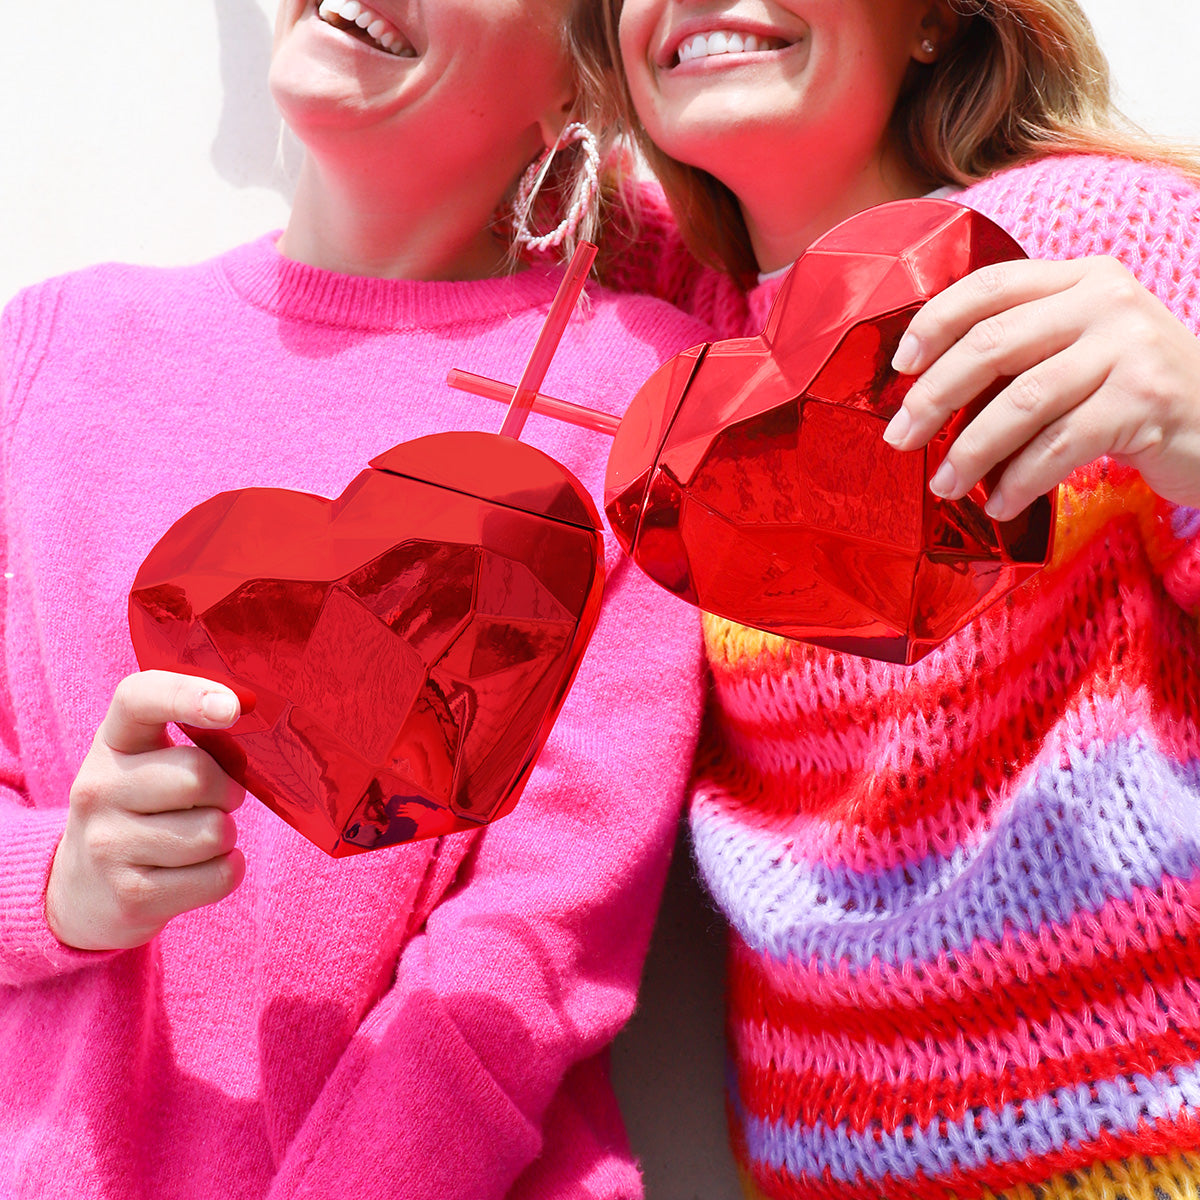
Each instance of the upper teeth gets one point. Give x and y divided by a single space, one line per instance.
378 28
723 41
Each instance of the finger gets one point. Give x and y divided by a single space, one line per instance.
174 778
945 318
146 703
170 780
1060 448
148 897
1003 345
180 839
1035 399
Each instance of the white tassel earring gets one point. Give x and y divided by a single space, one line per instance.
582 194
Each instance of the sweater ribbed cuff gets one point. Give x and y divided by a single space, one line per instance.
29 952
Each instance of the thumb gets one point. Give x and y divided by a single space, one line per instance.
146 703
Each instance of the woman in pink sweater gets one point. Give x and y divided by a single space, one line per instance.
965 895
194 1001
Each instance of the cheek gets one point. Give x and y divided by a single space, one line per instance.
525 55
633 34
639 74
287 13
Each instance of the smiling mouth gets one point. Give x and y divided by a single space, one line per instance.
367 26
726 41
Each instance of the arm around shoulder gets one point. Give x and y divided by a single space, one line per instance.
657 262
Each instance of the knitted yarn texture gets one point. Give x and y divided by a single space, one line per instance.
965 896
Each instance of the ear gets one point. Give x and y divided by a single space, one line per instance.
552 123
940 24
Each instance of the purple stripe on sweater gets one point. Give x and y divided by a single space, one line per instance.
1185 523
1066 1117
1119 817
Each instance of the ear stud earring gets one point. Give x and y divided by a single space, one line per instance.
928 46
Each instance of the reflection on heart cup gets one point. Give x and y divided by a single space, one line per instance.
750 476
403 650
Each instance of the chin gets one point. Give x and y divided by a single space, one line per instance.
309 98
721 148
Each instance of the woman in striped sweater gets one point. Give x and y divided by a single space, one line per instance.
964 895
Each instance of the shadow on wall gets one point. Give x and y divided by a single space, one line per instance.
246 151
668 1065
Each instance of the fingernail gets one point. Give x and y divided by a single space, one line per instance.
944 481
995 506
219 707
898 429
906 354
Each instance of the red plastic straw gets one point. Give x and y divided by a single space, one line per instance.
546 406
547 343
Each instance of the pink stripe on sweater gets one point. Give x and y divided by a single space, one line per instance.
1182 577
1152 918
963 821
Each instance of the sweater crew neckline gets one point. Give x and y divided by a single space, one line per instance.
265 278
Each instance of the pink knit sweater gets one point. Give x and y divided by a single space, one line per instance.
425 1021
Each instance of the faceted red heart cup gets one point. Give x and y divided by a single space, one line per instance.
750 477
405 648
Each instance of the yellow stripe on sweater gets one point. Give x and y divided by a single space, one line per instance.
1170 1177
1083 511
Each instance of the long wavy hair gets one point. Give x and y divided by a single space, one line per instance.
1021 79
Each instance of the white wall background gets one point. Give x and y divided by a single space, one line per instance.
138 130
142 130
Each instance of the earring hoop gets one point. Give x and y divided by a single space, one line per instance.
582 194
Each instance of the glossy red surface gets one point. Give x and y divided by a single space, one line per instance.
750 477
405 647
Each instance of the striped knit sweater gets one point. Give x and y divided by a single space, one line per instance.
965 895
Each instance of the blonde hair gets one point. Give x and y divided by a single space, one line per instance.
1020 80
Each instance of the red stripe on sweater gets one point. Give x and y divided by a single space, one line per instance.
1028 979
774 1093
890 812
